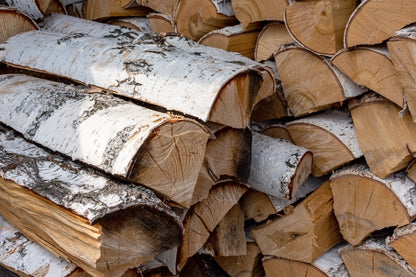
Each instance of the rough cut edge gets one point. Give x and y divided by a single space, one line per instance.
81 190
164 16
141 23
380 49
407 32
29 7
401 231
349 88
402 186
22 14
27 257
352 16
367 98
223 7
337 122
226 31
331 262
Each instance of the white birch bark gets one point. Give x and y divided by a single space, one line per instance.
224 7
331 263
140 23
27 257
29 7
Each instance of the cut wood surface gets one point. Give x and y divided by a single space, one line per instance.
403 241
319 25
278 168
385 134
161 23
375 259
306 233
357 196
36 9
310 83
103 226
194 19
374 21
331 138
373 68
140 24
329 264
270 39
112 134
411 170
202 265
232 38
13 22
55 6
277 130
167 7
105 9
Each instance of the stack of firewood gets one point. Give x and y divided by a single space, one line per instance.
132 144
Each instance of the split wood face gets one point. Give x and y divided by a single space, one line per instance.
13 22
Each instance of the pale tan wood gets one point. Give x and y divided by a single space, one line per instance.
305 234
270 39
257 205
277 131
386 135
55 6
13 22
403 241
271 107
167 7
411 170
248 12
373 68
101 10
161 23
319 25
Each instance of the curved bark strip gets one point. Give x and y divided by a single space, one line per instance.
140 24
36 9
13 22
117 136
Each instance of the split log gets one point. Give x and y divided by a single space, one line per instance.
329 264
310 83
331 138
102 10
74 8
232 38
13 22
56 6
117 136
319 25
167 7
36 9
140 24
385 134
305 234
204 216
375 258
202 265
103 226
373 68
403 241
161 23
364 203
278 168
194 19
249 12
374 21
277 130
411 170
270 39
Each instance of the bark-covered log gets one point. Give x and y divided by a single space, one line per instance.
277 130
105 9
36 9
140 24
167 7
103 226
161 23
117 136
403 241
13 22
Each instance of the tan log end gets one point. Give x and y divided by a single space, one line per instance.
13 22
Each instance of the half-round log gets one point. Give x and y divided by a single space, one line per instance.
13 22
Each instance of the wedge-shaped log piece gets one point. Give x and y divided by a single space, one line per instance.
305 234
373 68
411 170
101 10
101 225
13 22
278 167
329 264
403 241
117 136
277 130
375 258
374 21
319 25
385 134
203 265
310 83
204 216
36 9
249 12
138 23
167 7
331 138
232 38
357 197
161 23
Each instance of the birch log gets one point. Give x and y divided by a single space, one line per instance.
13 22
140 24
277 130
278 168
103 226
161 23
115 135
331 138
105 9
364 203
36 9
167 7
403 241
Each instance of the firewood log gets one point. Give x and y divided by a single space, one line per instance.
56 6
204 216
270 39
278 130
13 22
202 265
194 19
271 107
403 241
112 134
364 203
36 9
249 12
103 226
331 138
140 24
319 25
102 10
374 21
161 23
376 259
232 38
373 68
329 264
385 134
74 8
411 170
310 83
305 234
167 7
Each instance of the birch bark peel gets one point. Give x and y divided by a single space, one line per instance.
357 197
373 68
148 71
138 23
36 9
13 22
114 135
103 226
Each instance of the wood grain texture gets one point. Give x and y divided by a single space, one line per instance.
13 22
